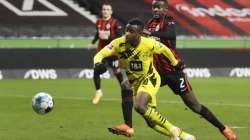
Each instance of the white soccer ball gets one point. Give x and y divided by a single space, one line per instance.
42 103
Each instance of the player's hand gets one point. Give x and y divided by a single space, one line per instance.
146 32
180 66
100 68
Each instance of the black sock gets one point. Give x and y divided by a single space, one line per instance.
97 80
209 116
127 106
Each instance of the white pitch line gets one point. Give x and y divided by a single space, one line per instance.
119 99
238 127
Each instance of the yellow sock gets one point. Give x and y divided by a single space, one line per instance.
183 135
158 119
161 130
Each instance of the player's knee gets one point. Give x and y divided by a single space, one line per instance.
125 85
116 70
195 107
141 109
96 73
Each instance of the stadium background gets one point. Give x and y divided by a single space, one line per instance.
47 40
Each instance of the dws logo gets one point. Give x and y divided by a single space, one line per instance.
1 75
89 74
28 8
240 72
198 72
41 74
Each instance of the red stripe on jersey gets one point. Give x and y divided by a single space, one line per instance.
162 64
107 26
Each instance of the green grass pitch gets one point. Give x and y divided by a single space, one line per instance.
84 42
75 118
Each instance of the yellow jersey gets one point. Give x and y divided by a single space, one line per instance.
137 61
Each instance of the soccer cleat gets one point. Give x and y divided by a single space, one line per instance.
178 134
175 132
186 136
189 137
229 134
122 129
97 98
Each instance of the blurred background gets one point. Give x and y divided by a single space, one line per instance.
212 36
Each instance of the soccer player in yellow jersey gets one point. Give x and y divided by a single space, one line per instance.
136 55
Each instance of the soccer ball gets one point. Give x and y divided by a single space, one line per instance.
42 103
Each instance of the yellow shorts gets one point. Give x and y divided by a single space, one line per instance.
149 85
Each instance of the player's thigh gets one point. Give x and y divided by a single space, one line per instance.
177 82
150 86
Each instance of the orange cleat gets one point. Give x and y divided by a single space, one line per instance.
229 134
122 129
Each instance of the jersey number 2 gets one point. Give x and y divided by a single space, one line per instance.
182 84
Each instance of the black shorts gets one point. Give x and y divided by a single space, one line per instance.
111 62
178 82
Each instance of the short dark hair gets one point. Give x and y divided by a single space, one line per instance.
105 3
136 23
160 3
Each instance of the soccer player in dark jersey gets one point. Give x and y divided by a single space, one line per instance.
162 28
108 29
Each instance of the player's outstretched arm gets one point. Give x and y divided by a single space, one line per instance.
105 52
160 48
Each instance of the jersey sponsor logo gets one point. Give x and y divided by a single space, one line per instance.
232 14
136 65
89 74
41 74
198 72
240 72
28 9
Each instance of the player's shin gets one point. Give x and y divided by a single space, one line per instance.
160 120
157 128
209 116
161 130
183 135
127 106
97 80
